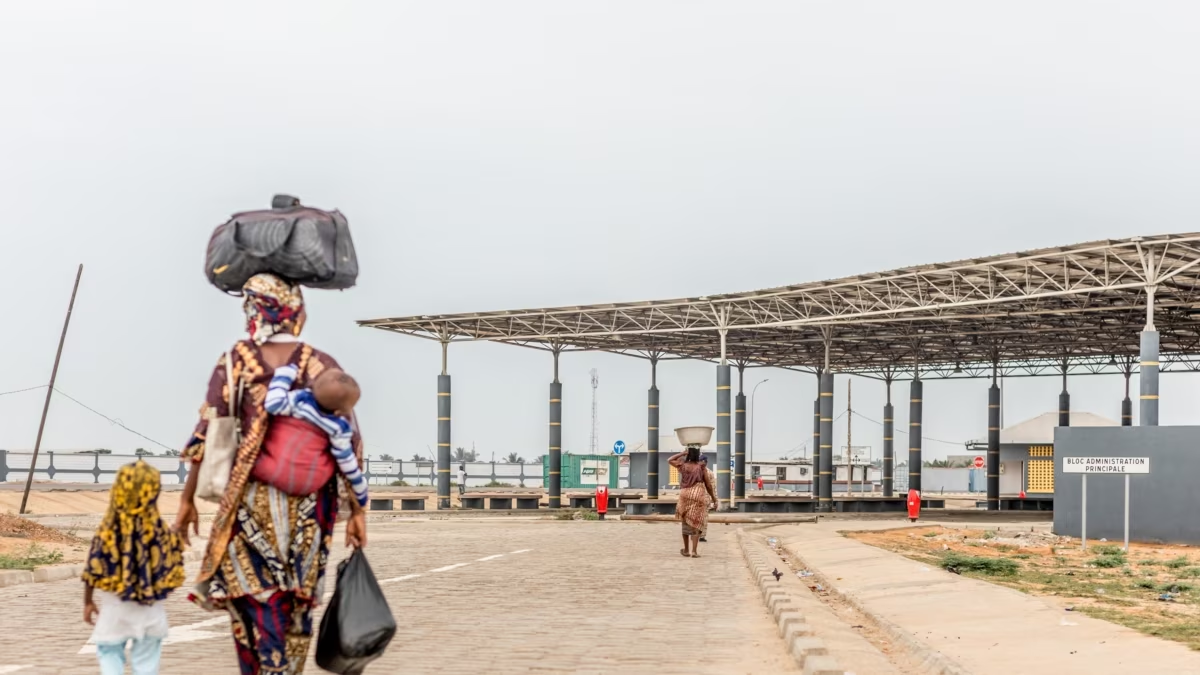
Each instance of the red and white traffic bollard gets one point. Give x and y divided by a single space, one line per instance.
759 482
914 505
601 500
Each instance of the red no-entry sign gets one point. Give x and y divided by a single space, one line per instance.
978 461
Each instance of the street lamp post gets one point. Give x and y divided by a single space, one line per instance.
752 407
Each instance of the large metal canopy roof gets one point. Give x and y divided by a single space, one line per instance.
1081 307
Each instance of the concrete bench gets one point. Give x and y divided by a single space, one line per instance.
501 501
587 500
406 503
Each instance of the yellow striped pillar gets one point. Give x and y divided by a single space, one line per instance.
825 470
993 448
443 443
652 443
889 447
1148 379
739 446
914 435
724 453
555 486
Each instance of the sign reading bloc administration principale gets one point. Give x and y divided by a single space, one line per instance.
1118 465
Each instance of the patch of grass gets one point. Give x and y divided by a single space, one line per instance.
1175 587
1147 584
1166 626
399 483
1178 563
957 562
931 534
1192 572
34 556
1107 549
496 483
578 514
1109 561
1023 556
1004 548
988 534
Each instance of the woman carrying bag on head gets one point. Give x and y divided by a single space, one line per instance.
266 556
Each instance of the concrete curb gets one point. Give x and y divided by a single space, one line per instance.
930 661
809 651
731 518
61 572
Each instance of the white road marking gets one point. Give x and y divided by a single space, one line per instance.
393 580
192 632
187 633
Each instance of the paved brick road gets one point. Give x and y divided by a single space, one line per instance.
586 597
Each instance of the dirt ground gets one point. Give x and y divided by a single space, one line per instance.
1153 588
24 543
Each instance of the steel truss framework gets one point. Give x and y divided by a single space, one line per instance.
1031 313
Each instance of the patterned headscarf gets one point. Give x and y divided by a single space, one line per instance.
134 554
273 307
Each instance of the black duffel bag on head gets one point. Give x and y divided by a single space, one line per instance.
302 244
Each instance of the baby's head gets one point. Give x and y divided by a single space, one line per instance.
336 391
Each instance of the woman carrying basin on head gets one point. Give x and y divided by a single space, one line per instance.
697 495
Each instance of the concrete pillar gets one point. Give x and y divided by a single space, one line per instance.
1064 402
443 442
1148 379
724 453
1127 404
889 448
914 435
739 443
993 448
555 487
652 442
825 474
816 442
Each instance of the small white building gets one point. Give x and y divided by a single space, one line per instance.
1027 452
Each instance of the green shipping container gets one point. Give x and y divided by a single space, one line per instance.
584 471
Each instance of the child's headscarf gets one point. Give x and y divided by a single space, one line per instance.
273 307
134 554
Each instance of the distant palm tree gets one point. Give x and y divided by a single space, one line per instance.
514 458
418 458
536 460
461 454
385 458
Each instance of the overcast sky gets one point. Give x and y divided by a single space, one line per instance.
522 154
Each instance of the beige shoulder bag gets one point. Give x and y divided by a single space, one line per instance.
221 442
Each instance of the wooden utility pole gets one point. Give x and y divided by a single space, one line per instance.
37 445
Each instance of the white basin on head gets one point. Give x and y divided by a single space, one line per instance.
697 436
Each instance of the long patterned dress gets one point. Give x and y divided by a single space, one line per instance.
692 508
266 556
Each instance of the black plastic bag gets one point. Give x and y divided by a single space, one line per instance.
358 623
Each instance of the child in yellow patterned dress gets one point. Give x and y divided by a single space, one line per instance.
134 563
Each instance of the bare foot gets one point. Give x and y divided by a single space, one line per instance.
683 552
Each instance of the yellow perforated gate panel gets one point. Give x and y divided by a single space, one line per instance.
1041 475
673 477
1041 451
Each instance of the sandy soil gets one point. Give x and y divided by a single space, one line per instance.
1153 588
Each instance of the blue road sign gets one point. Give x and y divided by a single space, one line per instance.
619 448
